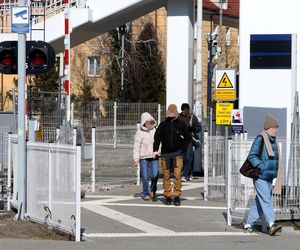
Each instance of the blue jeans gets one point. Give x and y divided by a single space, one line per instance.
262 204
153 164
187 160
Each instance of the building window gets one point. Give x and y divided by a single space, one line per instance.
93 66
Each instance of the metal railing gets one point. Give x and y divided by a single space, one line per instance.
223 181
3 166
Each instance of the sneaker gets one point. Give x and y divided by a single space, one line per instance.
183 179
248 229
153 195
274 229
191 178
146 198
176 201
168 200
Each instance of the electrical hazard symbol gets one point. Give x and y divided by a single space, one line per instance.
225 82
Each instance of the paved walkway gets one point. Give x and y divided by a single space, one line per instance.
120 219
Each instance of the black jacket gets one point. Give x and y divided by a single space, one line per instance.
173 136
193 126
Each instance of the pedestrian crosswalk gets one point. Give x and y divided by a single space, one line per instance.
120 209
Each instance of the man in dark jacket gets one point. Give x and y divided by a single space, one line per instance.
173 135
194 127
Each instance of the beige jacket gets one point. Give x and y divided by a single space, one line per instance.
143 139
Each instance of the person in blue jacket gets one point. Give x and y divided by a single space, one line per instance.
268 164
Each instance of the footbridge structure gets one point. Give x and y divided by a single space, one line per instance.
91 18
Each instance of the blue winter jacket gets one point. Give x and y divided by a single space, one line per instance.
268 165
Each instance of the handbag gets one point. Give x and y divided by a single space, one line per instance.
196 140
248 170
196 137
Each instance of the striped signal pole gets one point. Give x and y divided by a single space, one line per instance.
67 60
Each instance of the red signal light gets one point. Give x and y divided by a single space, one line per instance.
9 57
7 60
37 58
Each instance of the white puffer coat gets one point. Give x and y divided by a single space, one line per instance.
143 139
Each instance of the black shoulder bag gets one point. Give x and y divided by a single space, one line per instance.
248 170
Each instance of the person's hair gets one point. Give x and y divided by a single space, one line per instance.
185 106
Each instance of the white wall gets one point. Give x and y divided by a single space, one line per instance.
180 61
267 88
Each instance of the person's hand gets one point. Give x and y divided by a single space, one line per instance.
156 155
136 162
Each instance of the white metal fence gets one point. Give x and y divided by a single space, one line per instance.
117 122
53 183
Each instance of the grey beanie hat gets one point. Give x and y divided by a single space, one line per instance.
270 122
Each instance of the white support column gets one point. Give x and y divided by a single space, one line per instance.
180 56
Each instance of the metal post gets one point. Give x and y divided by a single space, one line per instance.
210 131
209 76
158 114
74 136
14 111
93 159
229 170
115 125
72 114
21 122
57 135
138 169
122 66
67 59
50 184
9 172
219 49
206 160
198 86
78 194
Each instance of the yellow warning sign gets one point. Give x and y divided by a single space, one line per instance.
225 95
223 113
225 83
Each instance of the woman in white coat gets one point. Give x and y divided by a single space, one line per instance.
143 155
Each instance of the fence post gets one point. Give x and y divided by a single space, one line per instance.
93 159
115 125
72 113
138 169
206 156
50 179
158 114
9 172
78 194
57 135
229 170
74 136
